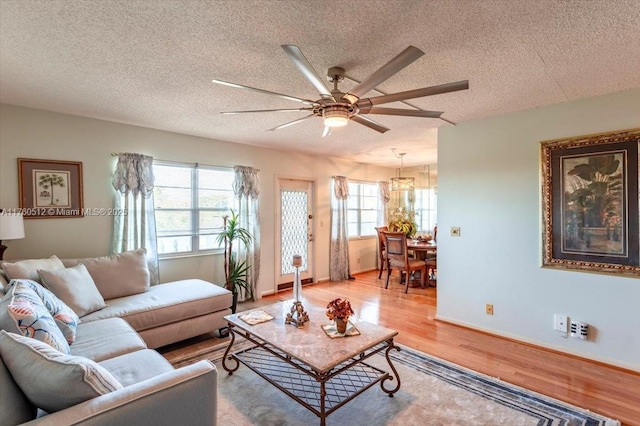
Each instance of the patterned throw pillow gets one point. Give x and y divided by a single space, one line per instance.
22 312
65 318
51 380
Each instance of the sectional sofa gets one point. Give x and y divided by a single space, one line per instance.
77 340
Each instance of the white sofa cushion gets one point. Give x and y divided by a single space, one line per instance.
52 380
118 275
107 338
166 303
75 287
136 367
28 269
15 408
4 281
22 312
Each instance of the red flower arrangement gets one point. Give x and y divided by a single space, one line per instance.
339 308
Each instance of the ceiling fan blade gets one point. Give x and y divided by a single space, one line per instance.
405 58
267 110
253 89
326 131
369 123
291 123
403 112
417 93
305 67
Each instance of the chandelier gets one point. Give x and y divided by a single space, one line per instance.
401 183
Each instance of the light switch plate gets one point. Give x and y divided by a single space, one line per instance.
455 231
560 323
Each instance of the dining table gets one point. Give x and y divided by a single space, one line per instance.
422 246
423 250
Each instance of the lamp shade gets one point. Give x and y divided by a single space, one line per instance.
11 226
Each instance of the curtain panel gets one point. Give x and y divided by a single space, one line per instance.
136 227
384 195
246 187
339 246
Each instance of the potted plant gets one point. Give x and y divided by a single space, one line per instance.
402 220
340 311
235 273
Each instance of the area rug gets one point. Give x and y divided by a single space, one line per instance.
433 392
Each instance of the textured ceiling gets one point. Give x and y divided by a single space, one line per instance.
150 63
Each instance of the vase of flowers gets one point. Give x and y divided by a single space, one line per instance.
339 310
402 220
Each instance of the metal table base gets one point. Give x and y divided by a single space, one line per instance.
320 392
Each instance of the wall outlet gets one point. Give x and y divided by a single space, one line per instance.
455 231
488 309
560 323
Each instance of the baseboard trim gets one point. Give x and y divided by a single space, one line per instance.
533 343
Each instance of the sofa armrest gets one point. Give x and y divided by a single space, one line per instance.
185 396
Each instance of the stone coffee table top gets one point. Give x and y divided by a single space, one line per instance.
309 343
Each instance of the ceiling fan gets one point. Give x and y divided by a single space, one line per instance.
337 108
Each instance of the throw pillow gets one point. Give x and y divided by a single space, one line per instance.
22 312
75 287
28 269
50 379
4 282
118 275
65 318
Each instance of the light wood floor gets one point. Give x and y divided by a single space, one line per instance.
607 390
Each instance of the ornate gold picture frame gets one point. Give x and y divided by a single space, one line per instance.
591 204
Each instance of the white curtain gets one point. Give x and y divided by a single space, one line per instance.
384 195
339 247
246 187
136 227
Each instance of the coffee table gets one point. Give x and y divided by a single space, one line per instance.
319 372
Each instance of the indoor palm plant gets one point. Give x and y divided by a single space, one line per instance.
236 273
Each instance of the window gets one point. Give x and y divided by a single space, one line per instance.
425 209
362 209
190 201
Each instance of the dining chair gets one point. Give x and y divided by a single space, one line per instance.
397 256
432 260
432 267
381 251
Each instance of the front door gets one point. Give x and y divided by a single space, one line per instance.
294 231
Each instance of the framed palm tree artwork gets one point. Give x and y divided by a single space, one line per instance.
590 203
50 188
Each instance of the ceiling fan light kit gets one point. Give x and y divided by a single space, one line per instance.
337 108
335 116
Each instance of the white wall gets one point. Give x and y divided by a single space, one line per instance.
29 133
489 185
